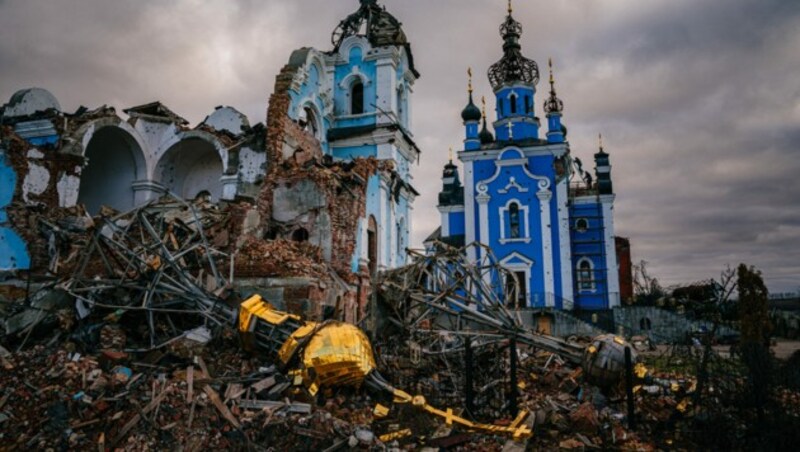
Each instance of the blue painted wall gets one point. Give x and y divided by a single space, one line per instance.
13 251
589 244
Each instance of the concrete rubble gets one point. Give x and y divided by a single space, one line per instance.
98 369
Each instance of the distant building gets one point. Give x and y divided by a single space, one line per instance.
623 249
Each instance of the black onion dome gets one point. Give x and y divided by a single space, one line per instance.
471 111
486 136
553 104
513 67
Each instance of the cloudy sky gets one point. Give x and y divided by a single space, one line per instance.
698 100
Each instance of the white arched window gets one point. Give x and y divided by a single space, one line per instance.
585 278
514 222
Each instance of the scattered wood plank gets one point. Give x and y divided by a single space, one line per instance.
190 384
223 409
137 418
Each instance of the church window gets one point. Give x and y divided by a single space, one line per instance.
582 225
309 123
372 245
520 298
357 98
513 221
527 105
513 103
400 242
585 278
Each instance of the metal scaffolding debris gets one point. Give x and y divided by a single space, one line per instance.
155 260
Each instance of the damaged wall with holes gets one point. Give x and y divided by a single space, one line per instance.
322 193
55 161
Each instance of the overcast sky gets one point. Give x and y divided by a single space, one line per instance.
698 100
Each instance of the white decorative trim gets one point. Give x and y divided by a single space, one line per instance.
483 215
612 277
483 186
469 209
524 228
451 209
554 150
565 242
512 183
355 73
354 41
593 282
445 223
547 246
379 137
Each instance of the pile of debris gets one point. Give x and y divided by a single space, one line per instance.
220 398
263 258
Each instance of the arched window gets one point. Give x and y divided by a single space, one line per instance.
527 105
372 245
357 98
582 225
585 278
513 103
401 245
513 221
309 123
300 235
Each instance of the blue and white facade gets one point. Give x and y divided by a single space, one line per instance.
355 99
517 198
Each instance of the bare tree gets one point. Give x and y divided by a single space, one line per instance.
646 287
727 285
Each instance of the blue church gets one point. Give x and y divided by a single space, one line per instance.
545 219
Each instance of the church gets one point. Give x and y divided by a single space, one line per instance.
524 195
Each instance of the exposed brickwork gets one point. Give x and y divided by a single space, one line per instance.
25 217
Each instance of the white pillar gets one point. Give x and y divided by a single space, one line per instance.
612 273
469 208
547 246
565 242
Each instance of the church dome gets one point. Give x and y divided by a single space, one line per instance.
471 112
382 29
486 136
28 102
513 67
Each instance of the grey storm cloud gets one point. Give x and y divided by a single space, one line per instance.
698 101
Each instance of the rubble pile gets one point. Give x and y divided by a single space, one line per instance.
262 258
221 399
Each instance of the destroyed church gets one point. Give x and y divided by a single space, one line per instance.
318 200
329 173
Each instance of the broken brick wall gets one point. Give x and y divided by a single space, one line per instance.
296 157
40 185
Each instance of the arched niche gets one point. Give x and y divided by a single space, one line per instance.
191 167
114 162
